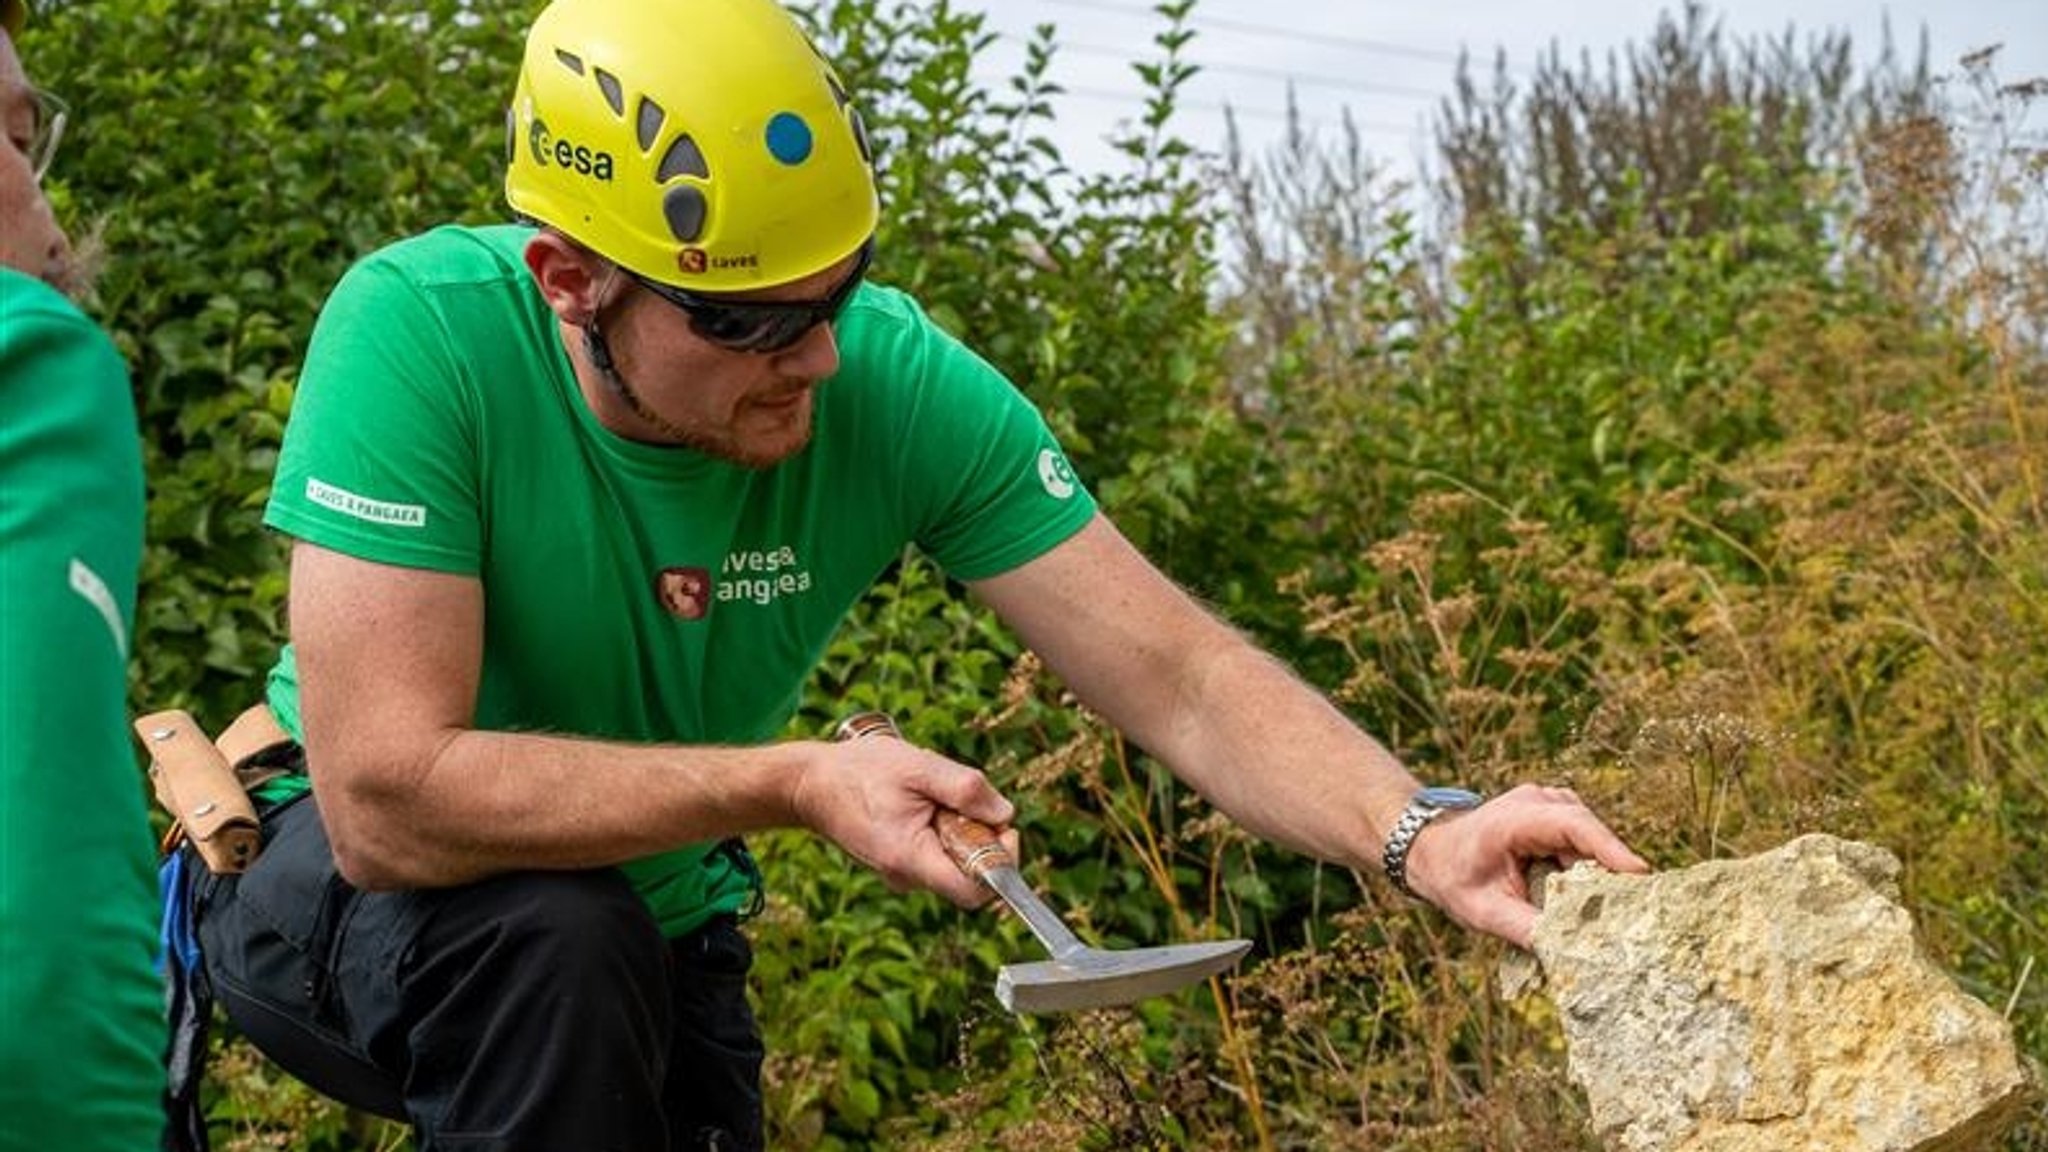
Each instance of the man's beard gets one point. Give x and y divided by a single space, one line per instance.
729 449
720 444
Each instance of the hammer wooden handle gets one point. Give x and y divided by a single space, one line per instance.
974 846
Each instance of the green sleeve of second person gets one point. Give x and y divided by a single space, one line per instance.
81 1023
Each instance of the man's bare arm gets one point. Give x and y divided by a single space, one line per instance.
1264 747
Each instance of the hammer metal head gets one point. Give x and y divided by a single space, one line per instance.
1097 978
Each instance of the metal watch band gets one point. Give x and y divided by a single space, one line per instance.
1426 806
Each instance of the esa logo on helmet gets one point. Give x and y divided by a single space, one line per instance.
563 153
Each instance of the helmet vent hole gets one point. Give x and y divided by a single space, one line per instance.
570 60
649 125
682 159
614 95
684 206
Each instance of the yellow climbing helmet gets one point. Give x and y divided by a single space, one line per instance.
700 143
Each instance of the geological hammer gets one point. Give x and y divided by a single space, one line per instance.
1077 976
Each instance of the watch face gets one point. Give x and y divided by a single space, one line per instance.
1452 798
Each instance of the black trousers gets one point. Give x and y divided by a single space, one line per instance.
530 1012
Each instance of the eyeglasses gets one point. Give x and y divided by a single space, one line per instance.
758 325
51 116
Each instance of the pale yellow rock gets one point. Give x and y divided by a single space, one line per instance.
1779 1003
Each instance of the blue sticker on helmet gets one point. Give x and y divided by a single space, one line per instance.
789 138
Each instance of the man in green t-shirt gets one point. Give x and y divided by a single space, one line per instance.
80 1018
576 506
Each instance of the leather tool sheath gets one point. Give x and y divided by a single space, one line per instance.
200 789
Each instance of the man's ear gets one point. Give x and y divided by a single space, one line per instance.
571 279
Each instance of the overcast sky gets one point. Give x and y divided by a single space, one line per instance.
1390 63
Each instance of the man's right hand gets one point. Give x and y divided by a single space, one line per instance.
876 797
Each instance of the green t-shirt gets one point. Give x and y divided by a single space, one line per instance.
81 1017
635 592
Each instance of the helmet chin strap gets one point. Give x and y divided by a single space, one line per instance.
600 352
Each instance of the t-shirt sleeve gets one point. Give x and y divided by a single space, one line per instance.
988 485
380 457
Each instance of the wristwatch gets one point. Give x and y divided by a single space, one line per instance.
1424 806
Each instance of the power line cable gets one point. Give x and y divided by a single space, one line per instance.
1109 95
1371 87
1433 55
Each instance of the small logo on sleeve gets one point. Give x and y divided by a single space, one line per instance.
1056 474
363 508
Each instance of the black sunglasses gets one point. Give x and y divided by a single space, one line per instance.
758 325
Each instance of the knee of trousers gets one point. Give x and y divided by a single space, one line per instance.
535 1011
548 932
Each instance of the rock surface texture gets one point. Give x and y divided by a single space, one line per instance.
1778 1003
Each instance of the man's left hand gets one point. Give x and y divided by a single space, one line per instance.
1474 865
